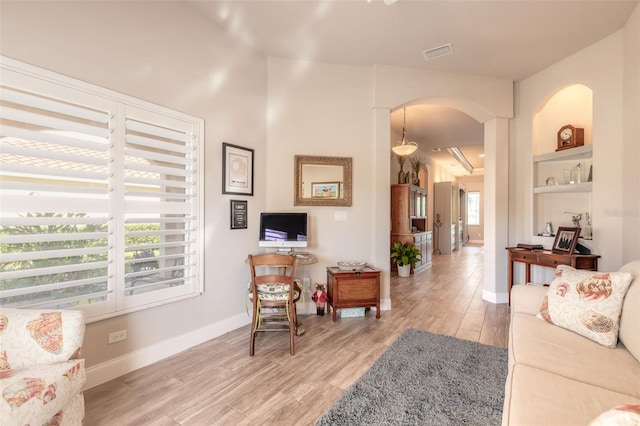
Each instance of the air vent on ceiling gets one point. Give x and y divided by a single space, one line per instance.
436 52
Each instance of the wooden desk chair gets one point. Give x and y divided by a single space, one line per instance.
272 294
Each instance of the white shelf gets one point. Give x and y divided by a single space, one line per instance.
556 189
549 207
577 153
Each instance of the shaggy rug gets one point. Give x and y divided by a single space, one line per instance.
426 379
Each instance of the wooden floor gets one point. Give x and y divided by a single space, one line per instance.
218 383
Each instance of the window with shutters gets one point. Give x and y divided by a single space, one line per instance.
100 202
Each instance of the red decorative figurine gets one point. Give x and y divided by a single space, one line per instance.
320 298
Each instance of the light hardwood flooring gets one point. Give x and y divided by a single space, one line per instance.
218 383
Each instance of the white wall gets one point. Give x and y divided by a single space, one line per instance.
130 47
325 110
314 109
488 100
631 141
599 67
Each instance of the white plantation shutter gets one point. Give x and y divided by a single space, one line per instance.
160 218
99 202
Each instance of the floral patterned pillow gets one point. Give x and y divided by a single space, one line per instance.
621 415
586 302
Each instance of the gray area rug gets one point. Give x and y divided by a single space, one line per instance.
426 379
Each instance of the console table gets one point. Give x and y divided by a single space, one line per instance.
548 259
349 289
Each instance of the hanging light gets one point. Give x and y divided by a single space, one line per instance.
403 147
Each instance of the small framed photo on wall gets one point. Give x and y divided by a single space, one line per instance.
238 214
237 170
328 190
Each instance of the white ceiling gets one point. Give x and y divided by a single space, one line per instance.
511 39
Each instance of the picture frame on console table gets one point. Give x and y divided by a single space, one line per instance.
566 240
237 170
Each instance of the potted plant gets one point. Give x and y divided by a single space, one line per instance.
402 177
404 256
416 164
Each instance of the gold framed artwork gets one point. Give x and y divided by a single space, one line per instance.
322 181
237 170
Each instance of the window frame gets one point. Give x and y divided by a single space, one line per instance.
470 195
49 85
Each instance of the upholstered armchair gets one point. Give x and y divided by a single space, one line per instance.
41 372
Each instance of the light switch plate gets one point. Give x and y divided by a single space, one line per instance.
341 215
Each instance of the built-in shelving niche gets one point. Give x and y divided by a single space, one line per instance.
557 197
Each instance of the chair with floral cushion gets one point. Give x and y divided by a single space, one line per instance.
273 296
41 370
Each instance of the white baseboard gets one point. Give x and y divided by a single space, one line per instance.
475 242
102 373
495 298
114 368
385 304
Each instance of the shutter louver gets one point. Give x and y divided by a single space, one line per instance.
55 183
160 214
99 206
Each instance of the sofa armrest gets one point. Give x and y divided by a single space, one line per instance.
630 317
33 337
527 299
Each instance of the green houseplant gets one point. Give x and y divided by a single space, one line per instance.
405 256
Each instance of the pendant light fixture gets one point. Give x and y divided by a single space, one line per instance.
403 147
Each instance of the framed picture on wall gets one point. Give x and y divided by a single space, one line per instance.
238 214
327 190
237 170
566 240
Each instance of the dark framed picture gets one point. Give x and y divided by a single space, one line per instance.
238 214
566 240
327 190
237 170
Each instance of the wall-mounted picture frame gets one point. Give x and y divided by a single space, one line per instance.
238 214
237 170
326 190
566 240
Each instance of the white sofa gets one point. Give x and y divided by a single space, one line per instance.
41 372
558 377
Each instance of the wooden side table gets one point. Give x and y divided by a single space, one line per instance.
548 259
349 289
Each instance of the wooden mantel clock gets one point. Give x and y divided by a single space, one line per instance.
570 137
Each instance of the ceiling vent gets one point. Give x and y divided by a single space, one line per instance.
436 52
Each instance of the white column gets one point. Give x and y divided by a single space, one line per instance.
496 210
381 191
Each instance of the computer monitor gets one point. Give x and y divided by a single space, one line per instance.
283 230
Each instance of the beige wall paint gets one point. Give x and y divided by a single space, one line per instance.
488 100
202 71
197 70
631 141
325 110
600 67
